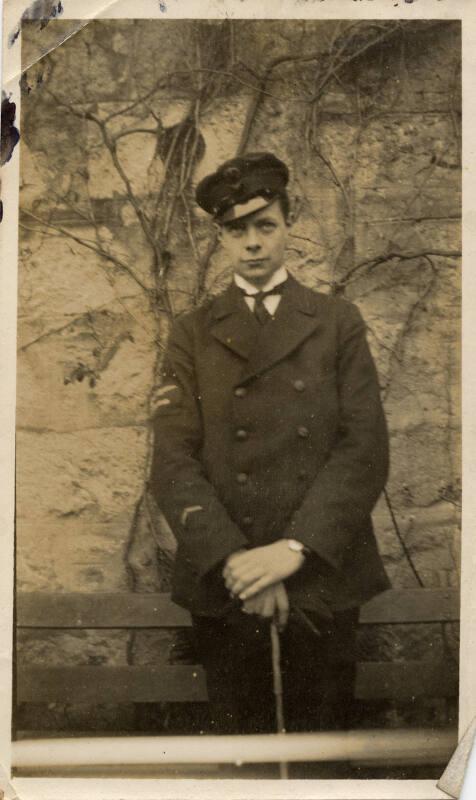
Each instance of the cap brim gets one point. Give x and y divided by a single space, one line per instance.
243 209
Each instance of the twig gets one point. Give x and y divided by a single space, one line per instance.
91 246
454 87
386 33
132 131
87 314
158 86
374 262
401 539
328 163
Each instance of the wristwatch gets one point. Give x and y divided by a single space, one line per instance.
298 547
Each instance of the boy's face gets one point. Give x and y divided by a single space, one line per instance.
256 243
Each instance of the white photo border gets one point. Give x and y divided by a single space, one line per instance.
147 789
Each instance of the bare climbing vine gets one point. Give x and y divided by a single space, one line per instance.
215 68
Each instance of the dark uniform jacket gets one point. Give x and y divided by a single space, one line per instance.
271 432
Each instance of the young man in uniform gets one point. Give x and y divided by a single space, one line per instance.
270 453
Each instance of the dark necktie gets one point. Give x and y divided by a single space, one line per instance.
260 311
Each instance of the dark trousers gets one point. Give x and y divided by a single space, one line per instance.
318 672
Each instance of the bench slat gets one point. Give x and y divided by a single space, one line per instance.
405 680
177 683
131 610
99 610
182 683
412 605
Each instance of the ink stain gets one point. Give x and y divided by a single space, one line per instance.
162 6
28 88
9 134
41 10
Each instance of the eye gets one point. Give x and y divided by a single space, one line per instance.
267 226
236 230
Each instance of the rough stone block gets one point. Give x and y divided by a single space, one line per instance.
74 554
98 472
95 372
74 648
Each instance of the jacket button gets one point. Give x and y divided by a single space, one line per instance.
242 477
303 432
241 434
247 521
240 391
299 385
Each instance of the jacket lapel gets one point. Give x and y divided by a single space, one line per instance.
296 319
262 347
233 324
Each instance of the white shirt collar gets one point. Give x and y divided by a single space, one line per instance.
276 278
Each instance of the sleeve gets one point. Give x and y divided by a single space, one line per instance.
204 531
337 505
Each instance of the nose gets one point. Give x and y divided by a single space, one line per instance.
253 243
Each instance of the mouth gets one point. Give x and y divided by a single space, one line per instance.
253 262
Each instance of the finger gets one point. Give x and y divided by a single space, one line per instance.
241 582
257 586
229 584
253 605
269 606
237 581
246 573
229 564
282 604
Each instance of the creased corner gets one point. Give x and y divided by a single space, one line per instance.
33 13
452 779
7 792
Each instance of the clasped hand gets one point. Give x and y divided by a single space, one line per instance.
271 603
248 572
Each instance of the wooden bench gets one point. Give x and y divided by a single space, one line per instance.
401 681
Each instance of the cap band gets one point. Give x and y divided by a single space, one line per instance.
243 209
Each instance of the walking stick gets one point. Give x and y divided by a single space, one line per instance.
278 691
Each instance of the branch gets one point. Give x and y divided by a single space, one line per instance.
226 73
143 221
454 89
167 162
131 131
374 262
110 143
401 539
336 68
91 246
159 85
74 321
406 327
328 163
84 114
333 68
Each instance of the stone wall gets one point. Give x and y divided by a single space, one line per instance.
370 127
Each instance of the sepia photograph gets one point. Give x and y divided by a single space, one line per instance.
238 397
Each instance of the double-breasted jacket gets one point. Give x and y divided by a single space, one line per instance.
269 432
